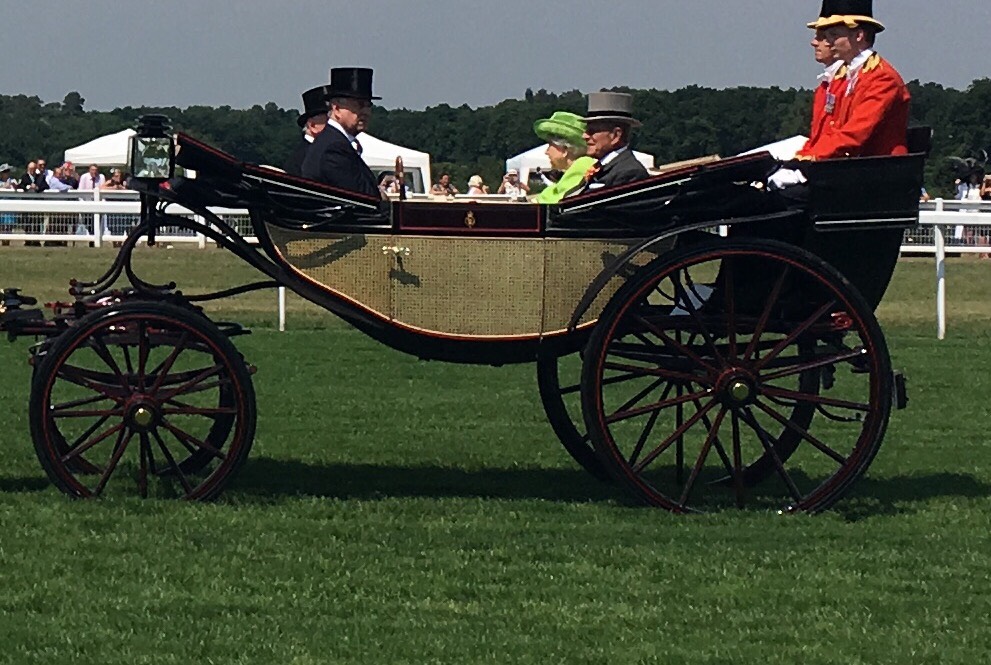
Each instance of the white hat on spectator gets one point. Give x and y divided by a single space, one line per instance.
4 167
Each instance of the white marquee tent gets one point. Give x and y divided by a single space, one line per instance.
537 158
111 150
381 157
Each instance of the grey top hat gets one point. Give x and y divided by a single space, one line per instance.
612 106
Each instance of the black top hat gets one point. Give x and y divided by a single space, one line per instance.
353 82
834 12
314 103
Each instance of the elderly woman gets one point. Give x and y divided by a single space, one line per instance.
566 150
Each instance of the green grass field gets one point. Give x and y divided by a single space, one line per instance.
395 511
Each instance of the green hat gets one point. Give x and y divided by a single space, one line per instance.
561 125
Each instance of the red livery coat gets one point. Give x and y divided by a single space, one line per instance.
820 116
870 120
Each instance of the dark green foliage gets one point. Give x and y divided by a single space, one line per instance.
677 125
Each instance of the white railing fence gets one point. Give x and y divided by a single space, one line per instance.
97 217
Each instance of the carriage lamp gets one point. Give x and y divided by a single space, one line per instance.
152 154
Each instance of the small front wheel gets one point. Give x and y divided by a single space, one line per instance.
142 394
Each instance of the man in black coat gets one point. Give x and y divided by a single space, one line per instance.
335 156
608 127
312 121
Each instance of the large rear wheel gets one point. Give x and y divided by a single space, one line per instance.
737 373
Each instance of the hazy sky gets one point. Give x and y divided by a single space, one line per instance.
246 52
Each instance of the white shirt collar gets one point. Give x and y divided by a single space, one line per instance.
336 125
611 156
858 61
308 137
829 73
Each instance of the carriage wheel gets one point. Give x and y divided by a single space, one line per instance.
562 403
690 392
143 392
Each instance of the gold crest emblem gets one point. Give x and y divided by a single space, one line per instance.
470 220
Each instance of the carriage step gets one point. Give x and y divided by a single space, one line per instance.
900 393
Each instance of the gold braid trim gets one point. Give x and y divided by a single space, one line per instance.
873 62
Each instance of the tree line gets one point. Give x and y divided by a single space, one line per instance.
679 124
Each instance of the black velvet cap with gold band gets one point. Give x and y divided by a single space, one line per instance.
848 12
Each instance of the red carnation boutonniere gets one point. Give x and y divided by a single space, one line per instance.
592 170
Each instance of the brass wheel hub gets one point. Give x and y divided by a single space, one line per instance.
737 389
142 417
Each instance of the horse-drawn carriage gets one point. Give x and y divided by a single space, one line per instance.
701 340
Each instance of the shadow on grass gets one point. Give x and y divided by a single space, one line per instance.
24 484
872 497
266 478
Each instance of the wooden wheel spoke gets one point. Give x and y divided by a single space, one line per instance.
85 413
717 444
703 455
87 379
78 402
822 361
674 436
144 351
190 386
89 432
648 428
128 364
657 406
810 398
77 450
794 334
188 439
765 441
123 438
166 366
654 385
103 353
172 463
672 375
772 300
802 432
729 288
670 341
689 307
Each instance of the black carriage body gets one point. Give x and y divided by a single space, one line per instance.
706 307
500 282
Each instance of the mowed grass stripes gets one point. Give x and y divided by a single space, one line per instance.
396 511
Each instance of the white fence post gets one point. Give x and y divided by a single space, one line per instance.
940 279
97 221
282 309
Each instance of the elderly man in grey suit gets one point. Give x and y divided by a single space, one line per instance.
609 125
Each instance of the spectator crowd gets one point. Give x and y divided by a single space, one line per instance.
37 177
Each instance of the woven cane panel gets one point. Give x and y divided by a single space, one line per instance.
469 286
351 264
571 265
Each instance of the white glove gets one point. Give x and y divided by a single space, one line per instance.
785 178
